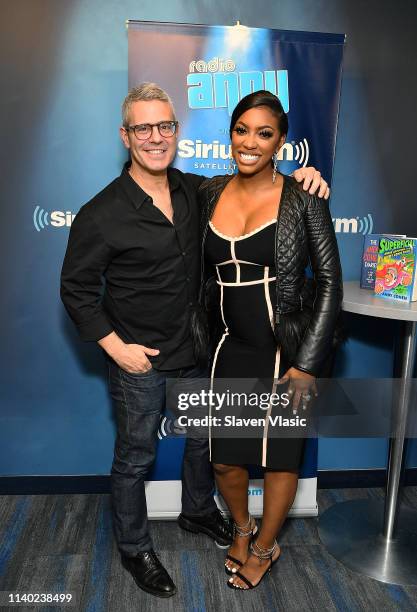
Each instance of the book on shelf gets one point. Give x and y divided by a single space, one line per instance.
396 269
370 258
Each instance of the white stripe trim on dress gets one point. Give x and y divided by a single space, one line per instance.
223 338
268 297
260 281
268 414
229 261
213 367
221 299
235 261
255 231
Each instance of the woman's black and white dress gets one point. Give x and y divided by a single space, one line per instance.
247 349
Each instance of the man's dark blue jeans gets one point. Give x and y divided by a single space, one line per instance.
139 400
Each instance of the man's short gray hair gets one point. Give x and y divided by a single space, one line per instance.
144 92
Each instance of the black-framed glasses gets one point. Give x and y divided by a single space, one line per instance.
144 130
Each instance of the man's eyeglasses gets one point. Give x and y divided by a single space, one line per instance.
144 130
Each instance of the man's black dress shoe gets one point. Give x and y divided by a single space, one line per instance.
213 525
149 574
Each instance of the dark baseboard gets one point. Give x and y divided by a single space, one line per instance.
349 479
49 485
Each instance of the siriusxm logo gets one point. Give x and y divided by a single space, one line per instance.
215 150
168 426
225 89
354 225
291 151
252 491
57 218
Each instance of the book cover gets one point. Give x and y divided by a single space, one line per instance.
396 269
369 260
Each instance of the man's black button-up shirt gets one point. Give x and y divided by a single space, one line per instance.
150 268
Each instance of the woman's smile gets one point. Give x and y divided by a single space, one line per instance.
248 158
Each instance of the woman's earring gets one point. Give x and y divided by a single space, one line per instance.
231 169
275 166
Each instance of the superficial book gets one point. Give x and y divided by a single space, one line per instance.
395 273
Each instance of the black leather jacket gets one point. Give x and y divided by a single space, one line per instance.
307 310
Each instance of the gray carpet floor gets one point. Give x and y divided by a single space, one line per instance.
63 543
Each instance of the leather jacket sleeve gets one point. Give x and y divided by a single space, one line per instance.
325 262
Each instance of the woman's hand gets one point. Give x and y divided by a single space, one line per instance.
302 387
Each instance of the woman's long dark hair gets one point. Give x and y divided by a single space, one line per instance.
260 98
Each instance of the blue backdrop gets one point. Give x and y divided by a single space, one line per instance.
207 70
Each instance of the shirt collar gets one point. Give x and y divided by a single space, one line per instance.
136 194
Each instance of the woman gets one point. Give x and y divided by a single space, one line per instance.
260 231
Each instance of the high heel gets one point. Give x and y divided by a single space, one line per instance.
262 554
248 530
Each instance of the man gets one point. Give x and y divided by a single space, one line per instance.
141 234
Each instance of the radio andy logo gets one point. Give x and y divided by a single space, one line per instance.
219 84
56 218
